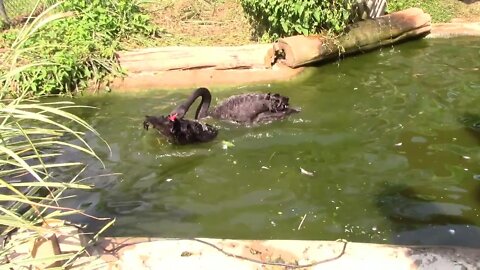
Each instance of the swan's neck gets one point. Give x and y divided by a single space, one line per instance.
202 110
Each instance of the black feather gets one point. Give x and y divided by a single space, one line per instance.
245 108
181 131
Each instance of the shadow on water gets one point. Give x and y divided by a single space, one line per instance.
471 123
419 218
129 199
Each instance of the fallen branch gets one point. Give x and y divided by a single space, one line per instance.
365 35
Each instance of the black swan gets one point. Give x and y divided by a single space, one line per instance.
181 131
245 108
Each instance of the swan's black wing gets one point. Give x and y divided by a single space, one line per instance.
188 131
181 131
266 117
253 108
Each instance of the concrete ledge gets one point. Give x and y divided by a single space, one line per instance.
206 77
142 253
449 30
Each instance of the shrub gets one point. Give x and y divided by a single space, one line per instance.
80 47
277 18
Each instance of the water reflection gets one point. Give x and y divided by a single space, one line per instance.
417 216
471 123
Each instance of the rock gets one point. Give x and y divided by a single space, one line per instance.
53 238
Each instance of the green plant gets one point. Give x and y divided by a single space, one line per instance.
80 48
33 135
440 10
277 18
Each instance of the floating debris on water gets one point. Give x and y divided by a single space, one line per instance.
303 171
227 144
301 222
169 179
418 139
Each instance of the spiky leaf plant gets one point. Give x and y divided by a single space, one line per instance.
33 134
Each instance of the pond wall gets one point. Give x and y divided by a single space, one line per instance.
124 253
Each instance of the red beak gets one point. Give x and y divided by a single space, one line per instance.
172 117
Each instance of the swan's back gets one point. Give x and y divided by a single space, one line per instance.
253 107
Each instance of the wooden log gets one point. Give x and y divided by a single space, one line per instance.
365 35
186 58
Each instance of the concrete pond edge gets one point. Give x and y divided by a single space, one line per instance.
116 253
208 253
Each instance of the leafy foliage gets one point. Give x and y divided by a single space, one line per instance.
278 18
80 47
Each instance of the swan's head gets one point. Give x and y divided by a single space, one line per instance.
181 131
167 125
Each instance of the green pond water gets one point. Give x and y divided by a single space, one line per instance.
391 137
